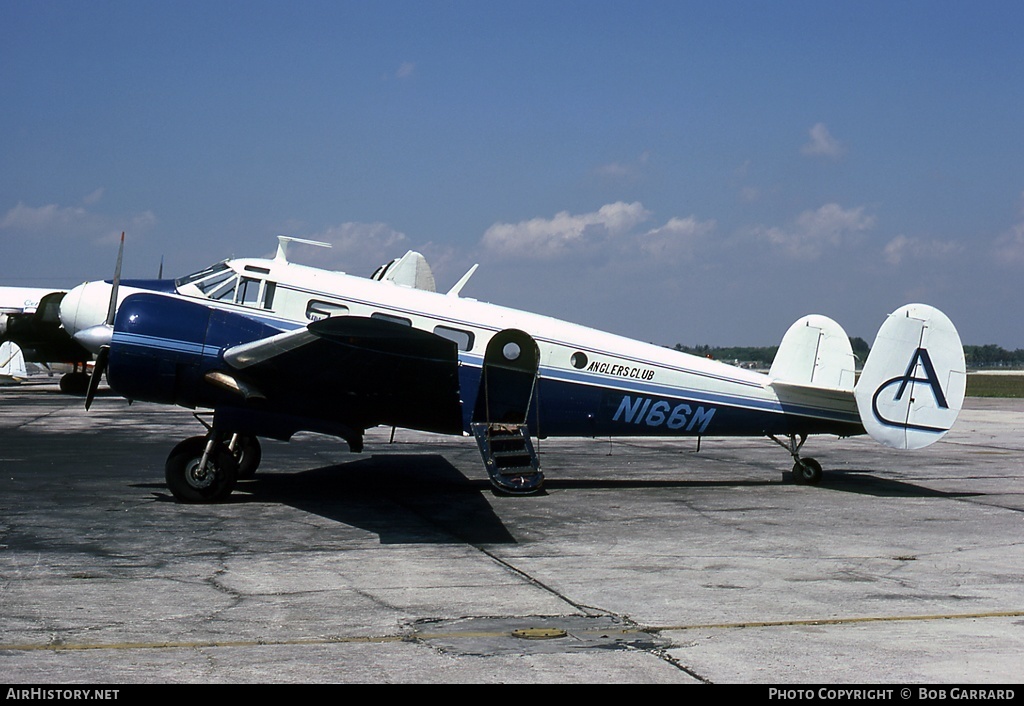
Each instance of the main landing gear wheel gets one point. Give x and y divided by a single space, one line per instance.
74 383
191 483
247 453
807 471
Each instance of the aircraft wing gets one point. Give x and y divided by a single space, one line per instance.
360 371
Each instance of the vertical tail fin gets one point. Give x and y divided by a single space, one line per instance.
914 380
815 352
12 361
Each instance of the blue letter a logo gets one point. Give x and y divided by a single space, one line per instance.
931 379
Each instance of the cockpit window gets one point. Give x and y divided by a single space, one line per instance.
210 271
216 282
222 283
221 287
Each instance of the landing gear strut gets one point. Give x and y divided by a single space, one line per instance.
806 471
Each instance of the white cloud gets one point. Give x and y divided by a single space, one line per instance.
565 233
822 144
53 220
677 238
625 170
903 247
94 197
1009 247
406 70
617 170
750 194
829 226
48 217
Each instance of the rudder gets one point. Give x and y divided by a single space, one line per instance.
815 352
914 380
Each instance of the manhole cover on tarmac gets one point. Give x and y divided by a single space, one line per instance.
537 634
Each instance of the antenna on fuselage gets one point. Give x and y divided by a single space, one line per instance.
454 291
282 246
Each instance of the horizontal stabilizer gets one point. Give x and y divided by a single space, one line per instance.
914 380
830 403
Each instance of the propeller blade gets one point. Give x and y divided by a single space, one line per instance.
108 329
112 308
97 372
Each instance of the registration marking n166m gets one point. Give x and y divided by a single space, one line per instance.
655 413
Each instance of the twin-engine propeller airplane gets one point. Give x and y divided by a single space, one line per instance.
274 348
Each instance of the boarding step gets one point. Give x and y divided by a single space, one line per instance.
509 457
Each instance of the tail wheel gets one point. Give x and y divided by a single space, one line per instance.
807 471
189 483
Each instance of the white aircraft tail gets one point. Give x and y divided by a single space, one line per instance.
914 380
815 352
12 361
410 270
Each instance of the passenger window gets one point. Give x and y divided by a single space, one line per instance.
464 339
317 310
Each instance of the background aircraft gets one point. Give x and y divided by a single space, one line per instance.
31 332
273 348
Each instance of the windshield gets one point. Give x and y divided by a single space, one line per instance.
216 282
202 274
222 283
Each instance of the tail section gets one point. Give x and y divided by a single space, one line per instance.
815 352
12 361
914 380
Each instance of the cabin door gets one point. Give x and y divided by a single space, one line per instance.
508 380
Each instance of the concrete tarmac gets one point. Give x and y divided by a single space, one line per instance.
645 561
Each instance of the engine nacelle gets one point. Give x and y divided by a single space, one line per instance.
163 346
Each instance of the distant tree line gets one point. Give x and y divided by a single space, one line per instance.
990 356
993 356
757 356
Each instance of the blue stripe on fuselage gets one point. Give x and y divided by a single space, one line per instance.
165 344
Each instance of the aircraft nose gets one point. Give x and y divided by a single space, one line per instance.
85 306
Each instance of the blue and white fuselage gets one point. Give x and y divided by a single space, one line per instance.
275 347
589 382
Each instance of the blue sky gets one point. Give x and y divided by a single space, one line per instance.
678 172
